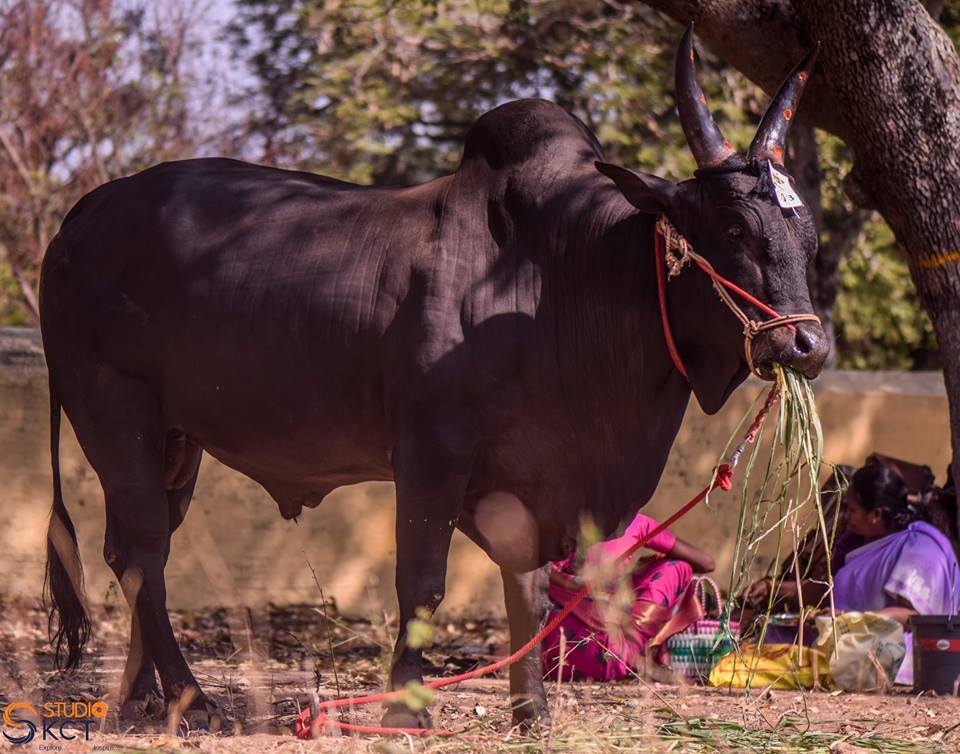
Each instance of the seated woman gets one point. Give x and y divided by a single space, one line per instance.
603 646
905 566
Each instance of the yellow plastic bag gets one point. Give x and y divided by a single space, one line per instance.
779 666
864 649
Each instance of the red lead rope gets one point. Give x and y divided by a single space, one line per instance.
307 728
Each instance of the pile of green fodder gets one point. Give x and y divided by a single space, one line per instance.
791 735
780 493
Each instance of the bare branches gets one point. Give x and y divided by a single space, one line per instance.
89 91
29 296
15 158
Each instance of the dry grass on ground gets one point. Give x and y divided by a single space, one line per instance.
258 664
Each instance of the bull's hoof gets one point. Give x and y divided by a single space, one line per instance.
203 714
143 705
401 716
531 716
210 721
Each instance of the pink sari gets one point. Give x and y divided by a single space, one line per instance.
597 648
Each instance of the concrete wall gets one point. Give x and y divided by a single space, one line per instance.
235 549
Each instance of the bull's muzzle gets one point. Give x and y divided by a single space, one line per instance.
804 348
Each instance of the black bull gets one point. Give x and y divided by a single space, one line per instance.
490 341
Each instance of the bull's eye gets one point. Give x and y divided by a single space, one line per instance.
735 231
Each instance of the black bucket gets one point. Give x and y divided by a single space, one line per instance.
936 653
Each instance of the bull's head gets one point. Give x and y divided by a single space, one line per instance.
732 216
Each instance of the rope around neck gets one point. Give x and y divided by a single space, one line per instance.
675 252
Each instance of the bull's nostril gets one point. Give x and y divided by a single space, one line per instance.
804 342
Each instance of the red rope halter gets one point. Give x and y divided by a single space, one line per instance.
667 240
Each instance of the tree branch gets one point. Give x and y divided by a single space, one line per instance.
29 301
762 39
15 158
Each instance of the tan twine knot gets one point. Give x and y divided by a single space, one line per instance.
677 248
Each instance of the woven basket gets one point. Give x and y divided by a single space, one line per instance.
695 650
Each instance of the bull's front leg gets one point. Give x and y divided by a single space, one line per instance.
431 477
527 604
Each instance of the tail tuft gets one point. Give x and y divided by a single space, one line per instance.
68 622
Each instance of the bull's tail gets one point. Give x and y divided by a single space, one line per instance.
68 622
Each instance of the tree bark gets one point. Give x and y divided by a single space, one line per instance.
763 39
888 83
897 75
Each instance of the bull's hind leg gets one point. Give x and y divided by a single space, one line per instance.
119 428
139 694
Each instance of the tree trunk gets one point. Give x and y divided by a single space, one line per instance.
897 76
888 83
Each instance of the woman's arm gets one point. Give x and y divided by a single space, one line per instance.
757 595
900 612
701 561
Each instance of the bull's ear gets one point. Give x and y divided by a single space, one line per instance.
646 192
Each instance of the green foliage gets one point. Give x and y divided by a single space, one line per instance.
11 315
371 90
880 323
384 92
950 20
420 630
418 697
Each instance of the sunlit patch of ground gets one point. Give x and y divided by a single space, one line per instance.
260 665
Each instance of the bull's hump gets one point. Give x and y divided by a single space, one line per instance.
525 130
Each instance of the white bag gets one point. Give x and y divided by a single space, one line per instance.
864 649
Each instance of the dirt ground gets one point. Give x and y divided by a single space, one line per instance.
260 665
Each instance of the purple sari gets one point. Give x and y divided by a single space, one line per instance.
917 564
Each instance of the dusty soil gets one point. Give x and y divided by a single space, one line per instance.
260 665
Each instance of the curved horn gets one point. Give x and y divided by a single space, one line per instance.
706 142
771 136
